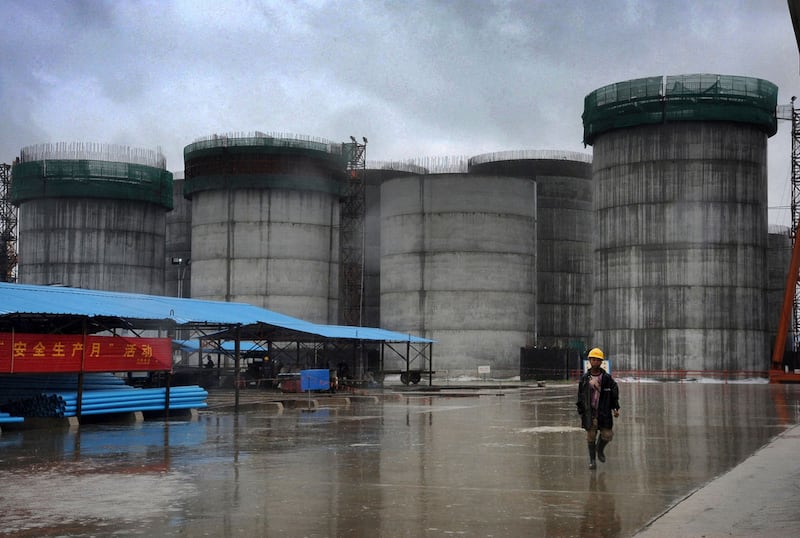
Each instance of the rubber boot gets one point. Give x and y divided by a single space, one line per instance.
601 444
592 464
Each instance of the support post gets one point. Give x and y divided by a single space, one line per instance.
382 375
167 384
79 404
430 364
236 364
408 360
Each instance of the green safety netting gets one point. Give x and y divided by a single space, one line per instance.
209 182
66 178
698 97
262 143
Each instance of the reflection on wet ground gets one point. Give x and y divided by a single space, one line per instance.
498 463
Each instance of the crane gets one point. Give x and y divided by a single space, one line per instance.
791 304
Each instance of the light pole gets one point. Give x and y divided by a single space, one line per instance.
183 265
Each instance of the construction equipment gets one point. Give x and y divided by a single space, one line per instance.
791 305
351 301
8 227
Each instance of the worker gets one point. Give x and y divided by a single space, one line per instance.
598 400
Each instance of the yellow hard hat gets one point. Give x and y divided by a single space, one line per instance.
596 353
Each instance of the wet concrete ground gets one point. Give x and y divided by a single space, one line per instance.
493 462
755 499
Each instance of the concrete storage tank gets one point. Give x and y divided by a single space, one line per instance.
376 174
779 254
265 222
680 174
458 262
564 231
92 216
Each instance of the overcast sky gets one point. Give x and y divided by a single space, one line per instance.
419 79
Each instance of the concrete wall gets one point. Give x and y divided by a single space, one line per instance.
564 246
112 245
372 238
779 254
277 249
372 249
681 246
458 262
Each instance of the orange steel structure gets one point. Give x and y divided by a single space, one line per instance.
789 308
777 373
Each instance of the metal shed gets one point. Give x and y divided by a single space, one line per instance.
61 310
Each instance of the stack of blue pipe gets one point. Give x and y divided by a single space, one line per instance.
55 396
20 386
5 418
37 405
101 402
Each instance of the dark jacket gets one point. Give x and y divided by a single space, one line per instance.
609 400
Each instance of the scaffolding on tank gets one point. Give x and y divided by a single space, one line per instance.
352 236
790 311
663 99
91 170
8 227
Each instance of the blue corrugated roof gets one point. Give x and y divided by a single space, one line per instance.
53 300
225 347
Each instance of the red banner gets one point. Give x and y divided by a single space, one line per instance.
53 353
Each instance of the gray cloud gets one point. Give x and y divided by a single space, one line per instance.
418 78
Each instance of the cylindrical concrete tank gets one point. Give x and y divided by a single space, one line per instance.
458 262
265 222
564 231
376 173
177 271
779 255
92 216
680 176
